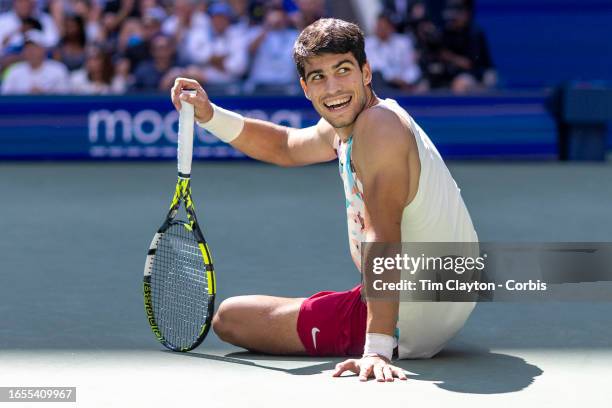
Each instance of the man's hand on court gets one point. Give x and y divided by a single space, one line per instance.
201 104
370 366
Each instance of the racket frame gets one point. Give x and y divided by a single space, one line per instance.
182 194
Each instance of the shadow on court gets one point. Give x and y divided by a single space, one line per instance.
473 371
463 369
246 358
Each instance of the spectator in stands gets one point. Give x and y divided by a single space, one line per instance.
5 5
271 49
428 43
145 7
242 17
136 35
13 53
71 50
405 13
190 28
37 74
106 33
158 73
464 50
257 10
398 12
98 76
392 56
417 12
115 12
88 11
12 25
111 16
308 12
224 59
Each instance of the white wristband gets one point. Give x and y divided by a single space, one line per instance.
379 344
224 124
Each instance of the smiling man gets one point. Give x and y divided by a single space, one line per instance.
397 189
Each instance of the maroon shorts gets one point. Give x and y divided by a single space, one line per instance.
333 323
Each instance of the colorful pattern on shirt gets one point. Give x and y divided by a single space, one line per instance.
353 193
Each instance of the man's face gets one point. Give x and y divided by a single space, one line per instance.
151 27
220 23
337 87
275 19
384 28
457 18
34 54
23 8
183 8
162 48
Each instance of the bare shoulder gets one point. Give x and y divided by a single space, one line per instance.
380 131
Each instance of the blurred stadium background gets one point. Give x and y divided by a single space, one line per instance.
493 79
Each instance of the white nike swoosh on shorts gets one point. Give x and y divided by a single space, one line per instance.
314 332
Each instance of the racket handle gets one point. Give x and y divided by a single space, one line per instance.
185 137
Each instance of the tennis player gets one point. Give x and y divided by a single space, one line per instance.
397 189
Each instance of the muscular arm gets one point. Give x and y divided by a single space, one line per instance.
263 140
285 146
381 153
385 157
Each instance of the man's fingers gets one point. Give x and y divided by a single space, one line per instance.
188 97
382 372
399 373
378 373
365 372
174 96
186 83
388 373
181 84
348 365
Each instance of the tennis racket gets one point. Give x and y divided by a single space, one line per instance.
179 279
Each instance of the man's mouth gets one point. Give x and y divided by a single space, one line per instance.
338 103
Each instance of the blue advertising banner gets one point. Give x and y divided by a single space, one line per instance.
137 127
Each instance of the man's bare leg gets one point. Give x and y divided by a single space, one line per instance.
265 324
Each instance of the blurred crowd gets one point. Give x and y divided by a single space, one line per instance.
231 46
421 45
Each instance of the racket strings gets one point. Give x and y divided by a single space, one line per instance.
179 287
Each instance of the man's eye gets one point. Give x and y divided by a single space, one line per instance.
316 77
343 70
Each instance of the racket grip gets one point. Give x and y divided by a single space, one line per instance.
185 137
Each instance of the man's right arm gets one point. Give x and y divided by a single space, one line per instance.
264 140
285 146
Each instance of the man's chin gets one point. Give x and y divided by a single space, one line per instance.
339 124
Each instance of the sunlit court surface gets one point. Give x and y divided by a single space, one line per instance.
71 294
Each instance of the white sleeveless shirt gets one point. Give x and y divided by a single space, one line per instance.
436 214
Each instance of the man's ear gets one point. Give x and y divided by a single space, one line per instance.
304 88
367 73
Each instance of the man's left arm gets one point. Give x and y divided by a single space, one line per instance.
381 151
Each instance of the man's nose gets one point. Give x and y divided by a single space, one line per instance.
333 86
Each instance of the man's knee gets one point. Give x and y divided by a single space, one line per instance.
226 321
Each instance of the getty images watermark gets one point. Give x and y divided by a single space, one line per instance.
467 272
